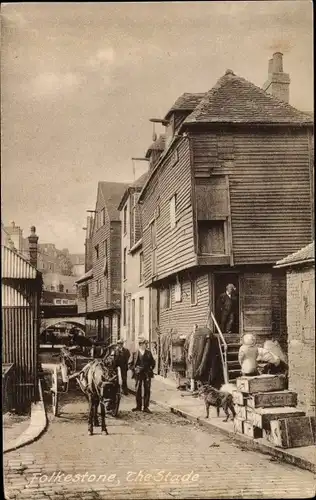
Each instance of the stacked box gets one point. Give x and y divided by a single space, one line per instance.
260 400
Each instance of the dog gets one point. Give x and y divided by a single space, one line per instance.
219 399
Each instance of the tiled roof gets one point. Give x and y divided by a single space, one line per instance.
235 100
158 145
186 102
140 181
306 254
138 184
112 194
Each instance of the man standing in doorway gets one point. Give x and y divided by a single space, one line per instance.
124 355
142 365
226 308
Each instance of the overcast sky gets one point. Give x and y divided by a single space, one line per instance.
81 80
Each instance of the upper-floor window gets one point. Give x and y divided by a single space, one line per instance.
141 267
96 248
124 309
212 237
153 236
165 298
141 316
125 219
124 263
103 216
193 293
105 248
173 211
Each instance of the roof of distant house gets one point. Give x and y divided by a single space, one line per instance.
112 193
236 100
136 185
302 256
186 102
157 145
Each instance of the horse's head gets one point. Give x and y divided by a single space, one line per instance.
112 358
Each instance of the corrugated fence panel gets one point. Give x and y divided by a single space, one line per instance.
14 266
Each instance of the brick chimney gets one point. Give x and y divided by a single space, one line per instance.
278 83
33 239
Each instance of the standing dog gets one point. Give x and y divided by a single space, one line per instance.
218 399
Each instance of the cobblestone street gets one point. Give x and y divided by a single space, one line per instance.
184 461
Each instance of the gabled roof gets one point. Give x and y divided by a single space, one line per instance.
136 185
112 193
236 100
186 102
302 256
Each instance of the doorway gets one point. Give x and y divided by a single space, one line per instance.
221 280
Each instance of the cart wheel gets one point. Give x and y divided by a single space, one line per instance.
54 390
117 405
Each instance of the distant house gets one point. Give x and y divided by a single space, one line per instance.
229 196
300 277
135 297
99 290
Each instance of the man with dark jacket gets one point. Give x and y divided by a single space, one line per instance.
142 365
226 308
124 356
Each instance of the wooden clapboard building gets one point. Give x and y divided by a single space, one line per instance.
99 290
230 195
21 288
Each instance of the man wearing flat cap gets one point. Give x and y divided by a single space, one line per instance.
142 365
124 356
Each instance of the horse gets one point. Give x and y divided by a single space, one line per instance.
99 382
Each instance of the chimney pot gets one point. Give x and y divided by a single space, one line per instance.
33 247
278 62
278 83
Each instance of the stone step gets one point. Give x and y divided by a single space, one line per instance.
232 354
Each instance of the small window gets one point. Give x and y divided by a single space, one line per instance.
124 263
124 309
141 267
133 319
96 251
193 293
178 292
212 237
105 248
103 216
125 219
173 211
165 298
141 316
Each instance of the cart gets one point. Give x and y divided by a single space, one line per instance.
66 375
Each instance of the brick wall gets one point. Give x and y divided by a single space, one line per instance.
301 335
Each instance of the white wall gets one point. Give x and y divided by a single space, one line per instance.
132 286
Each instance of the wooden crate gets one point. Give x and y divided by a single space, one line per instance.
241 411
274 399
238 425
239 398
251 431
261 383
293 432
261 417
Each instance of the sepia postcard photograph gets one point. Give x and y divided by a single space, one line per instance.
157 250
